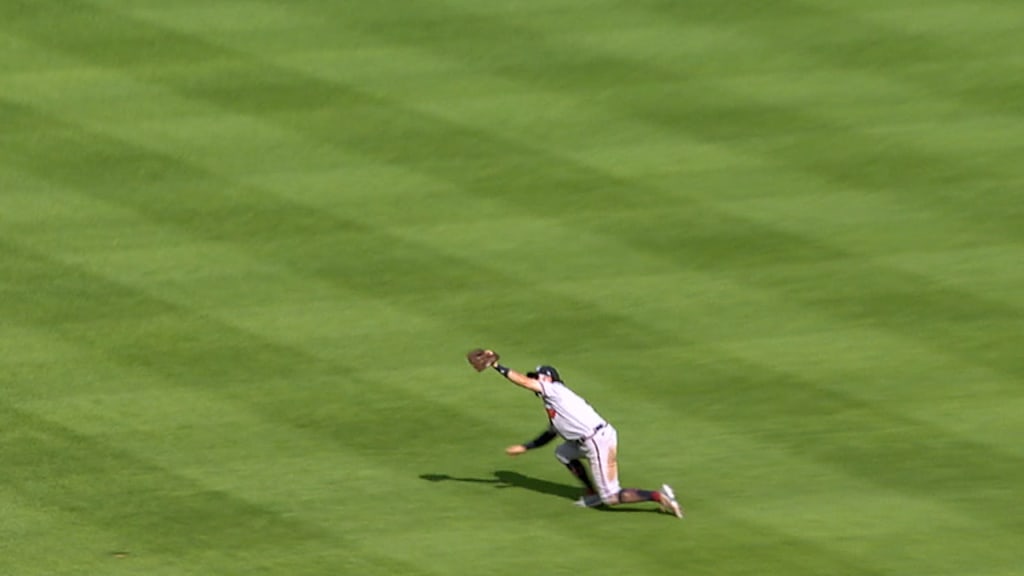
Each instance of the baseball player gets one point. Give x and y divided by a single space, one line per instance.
587 436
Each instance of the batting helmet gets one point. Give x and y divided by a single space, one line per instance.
549 371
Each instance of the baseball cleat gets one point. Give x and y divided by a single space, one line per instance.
668 501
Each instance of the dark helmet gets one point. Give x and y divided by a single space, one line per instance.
549 371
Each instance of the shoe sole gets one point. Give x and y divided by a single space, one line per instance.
673 504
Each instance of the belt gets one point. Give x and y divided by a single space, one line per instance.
597 429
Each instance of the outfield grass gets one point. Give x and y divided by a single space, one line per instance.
244 245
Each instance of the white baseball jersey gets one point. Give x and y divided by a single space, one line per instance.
571 416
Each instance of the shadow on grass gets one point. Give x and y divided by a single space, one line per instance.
509 479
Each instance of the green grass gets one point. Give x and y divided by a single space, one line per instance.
244 245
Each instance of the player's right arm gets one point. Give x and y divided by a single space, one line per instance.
544 439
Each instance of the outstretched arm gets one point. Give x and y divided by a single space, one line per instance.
482 359
518 378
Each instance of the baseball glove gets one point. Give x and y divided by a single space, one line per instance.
482 359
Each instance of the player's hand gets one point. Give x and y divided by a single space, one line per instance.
515 450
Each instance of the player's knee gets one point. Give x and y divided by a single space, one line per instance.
563 455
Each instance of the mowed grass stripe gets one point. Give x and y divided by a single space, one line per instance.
192 348
541 245
854 37
41 540
154 507
385 268
966 402
348 64
881 162
963 231
711 108
107 99
368 119
299 474
978 36
994 271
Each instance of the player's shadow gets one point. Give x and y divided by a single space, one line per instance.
509 479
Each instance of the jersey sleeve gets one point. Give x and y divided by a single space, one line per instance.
543 389
549 389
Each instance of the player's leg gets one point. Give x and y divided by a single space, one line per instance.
602 451
664 498
623 496
569 454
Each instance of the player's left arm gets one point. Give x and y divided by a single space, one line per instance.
518 378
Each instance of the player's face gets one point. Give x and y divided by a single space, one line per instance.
544 378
